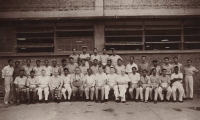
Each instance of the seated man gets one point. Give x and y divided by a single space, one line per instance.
77 80
144 85
154 78
43 82
134 79
176 81
89 85
122 83
66 85
20 83
55 85
32 83
111 84
100 84
164 81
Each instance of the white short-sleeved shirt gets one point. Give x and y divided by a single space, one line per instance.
90 80
168 67
20 81
32 82
48 70
130 66
123 79
158 70
55 81
95 57
189 71
104 59
38 71
75 58
112 79
179 75
55 69
134 78
28 69
67 80
72 67
119 69
114 59
100 79
62 69
7 71
107 70
95 69
84 56
179 65
84 69
43 81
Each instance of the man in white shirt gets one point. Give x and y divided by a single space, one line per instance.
157 67
122 83
134 79
72 65
114 58
47 68
55 84
119 67
167 66
7 77
83 67
104 57
131 65
176 81
37 69
74 55
95 56
101 79
94 67
27 68
20 85
144 65
89 85
111 84
85 56
66 85
64 65
43 82
107 68
55 68
179 65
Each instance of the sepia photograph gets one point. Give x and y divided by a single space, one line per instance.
99 59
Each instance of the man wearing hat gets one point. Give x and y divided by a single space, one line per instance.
104 57
114 57
71 66
85 56
74 55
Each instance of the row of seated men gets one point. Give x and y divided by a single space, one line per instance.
90 84
84 61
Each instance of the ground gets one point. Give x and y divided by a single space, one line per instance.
189 110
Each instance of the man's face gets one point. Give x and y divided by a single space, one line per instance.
175 60
66 72
32 74
17 64
95 62
109 62
89 71
112 70
64 63
131 59
46 63
122 72
144 73
95 51
11 63
77 70
143 58
104 51
74 51
154 71
114 52
83 62
164 72
38 62
166 61
71 60
133 70
100 69
28 62
84 50
119 62
155 63
21 73
176 70
43 73
189 62
54 63
56 73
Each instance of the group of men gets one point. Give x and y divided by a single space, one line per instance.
89 75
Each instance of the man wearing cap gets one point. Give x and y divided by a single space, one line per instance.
119 67
64 65
189 71
101 79
89 85
66 85
37 69
55 68
134 79
7 76
130 65
114 57
83 67
85 56
144 65
144 85
176 81
167 66
74 55
157 67
95 56
27 68
111 84
107 68
164 81
94 67
47 68
104 57
72 65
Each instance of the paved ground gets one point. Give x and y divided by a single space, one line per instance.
189 110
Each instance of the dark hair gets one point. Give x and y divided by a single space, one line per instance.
166 58
163 70
54 61
145 70
37 61
10 61
134 68
71 58
63 60
94 49
17 62
189 60
32 71
109 60
143 56
175 57
154 61
132 57
66 69
176 67
119 59
28 60
104 49
46 61
21 70
152 70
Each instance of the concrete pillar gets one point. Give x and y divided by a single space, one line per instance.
99 37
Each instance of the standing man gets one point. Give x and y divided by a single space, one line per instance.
157 68
154 79
168 67
64 65
67 85
47 68
55 85
176 81
77 80
119 67
89 85
43 82
188 73
74 55
114 57
94 67
85 56
122 83
83 67
111 84
144 65
164 81
20 84
144 85
104 57
7 76
95 56
37 69
28 68
179 65
134 79
72 65
55 68
101 79
130 65
107 68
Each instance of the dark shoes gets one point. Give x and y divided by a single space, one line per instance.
102 101
155 102
96 101
106 100
46 101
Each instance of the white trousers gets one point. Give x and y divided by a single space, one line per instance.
69 90
155 93
169 92
107 90
46 92
146 93
189 86
180 89
122 92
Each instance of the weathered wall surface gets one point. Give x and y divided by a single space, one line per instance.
195 57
